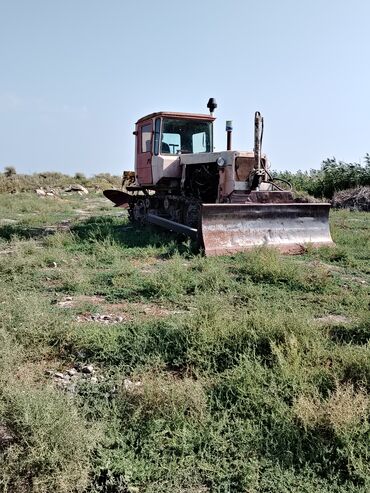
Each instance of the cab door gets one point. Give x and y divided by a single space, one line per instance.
144 143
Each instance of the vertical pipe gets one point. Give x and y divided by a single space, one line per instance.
257 140
228 147
229 131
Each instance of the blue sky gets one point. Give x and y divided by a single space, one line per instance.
76 74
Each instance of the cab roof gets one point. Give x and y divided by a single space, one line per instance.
170 114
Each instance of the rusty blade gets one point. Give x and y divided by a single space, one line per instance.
120 199
229 228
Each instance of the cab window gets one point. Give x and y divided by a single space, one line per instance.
186 136
157 133
200 142
146 138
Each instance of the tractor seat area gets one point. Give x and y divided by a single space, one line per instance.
165 148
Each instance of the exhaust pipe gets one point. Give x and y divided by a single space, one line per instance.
229 131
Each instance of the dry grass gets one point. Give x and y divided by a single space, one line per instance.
345 407
165 396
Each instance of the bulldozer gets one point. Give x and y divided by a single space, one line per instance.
228 201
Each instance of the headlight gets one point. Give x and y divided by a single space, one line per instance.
221 163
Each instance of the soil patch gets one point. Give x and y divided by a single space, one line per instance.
333 320
110 312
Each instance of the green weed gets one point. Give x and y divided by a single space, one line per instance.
226 374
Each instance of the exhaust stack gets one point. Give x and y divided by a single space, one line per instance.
229 131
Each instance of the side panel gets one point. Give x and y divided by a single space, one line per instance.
144 145
166 167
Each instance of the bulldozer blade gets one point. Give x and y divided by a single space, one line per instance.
289 227
120 199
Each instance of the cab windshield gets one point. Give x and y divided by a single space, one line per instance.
185 136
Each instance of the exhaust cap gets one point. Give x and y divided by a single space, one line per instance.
211 105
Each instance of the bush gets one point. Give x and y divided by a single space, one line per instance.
45 442
333 176
9 171
50 444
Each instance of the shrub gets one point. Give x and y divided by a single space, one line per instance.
333 176
344 408
9 171
80 176
50 442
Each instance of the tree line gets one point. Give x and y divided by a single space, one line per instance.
332 177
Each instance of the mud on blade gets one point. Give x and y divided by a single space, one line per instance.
228 228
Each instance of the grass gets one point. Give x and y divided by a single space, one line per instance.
248 373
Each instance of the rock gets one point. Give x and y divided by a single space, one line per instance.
88 369
71 372
97 317
67 303
59 375
77 188
130 385
62 383
51 192
93 380
127 383
42 193
49 229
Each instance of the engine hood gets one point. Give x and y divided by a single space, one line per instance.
211 157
